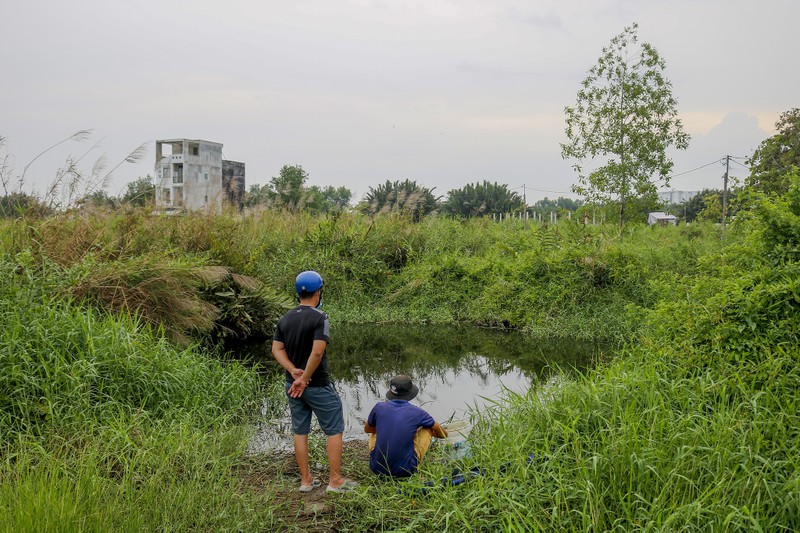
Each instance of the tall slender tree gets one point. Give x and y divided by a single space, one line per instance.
626 115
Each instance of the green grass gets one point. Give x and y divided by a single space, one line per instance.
134 475
106 424
644 444
561 281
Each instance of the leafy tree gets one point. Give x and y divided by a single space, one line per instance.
560 205
625 114
400 196
707 205
286 190
257 195
327 200
481 199
140 192
691 208
780 215
774 158
98 199
17 204
712 207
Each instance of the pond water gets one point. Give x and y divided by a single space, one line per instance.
456 369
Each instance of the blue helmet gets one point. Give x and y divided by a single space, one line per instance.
308 282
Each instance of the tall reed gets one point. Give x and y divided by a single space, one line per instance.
106 425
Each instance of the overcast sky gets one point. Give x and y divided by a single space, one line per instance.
357 92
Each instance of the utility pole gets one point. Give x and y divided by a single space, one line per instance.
525 203
725 190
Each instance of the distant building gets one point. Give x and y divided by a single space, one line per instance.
676 197
233 183
190 174
661 219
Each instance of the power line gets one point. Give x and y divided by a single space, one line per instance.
717 161
541 190
548 190
696 169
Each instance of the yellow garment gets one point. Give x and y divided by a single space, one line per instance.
422 442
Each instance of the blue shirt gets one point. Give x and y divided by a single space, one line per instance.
396 423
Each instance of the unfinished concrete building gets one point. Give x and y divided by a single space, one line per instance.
191 175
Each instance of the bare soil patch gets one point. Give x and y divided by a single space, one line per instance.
302 511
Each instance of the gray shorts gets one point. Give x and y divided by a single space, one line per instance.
323 402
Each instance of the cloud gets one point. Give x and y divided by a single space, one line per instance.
736 134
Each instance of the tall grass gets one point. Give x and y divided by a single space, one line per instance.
105 425
693 426
561 281
135 475
644 444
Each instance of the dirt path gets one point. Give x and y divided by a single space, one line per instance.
299 511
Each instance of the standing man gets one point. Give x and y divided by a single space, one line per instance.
401 433
299 347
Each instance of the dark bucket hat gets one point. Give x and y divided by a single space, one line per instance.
401 388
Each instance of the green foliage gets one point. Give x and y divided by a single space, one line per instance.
481 199
776 156
140 192
246 309
692 426
781 223
566 280
134 475
748 296
625 114
645 443
106 426
189 299
67 367
712 206
697 204
559 206
286 189
400 197
257 194
18 204
329 199
98 199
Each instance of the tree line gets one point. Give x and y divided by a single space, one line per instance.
618 131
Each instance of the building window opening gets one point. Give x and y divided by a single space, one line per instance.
177 173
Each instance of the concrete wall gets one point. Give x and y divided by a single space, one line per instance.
200 165
233 183
202 184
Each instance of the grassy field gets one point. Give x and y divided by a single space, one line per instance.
117 411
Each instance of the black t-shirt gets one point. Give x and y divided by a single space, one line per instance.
297 330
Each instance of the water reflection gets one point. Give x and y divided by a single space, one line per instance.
456 368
